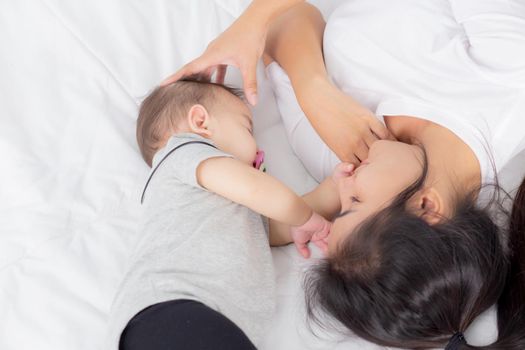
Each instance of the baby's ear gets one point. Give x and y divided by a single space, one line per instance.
199 120
430 206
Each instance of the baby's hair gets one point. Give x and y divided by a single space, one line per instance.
167 105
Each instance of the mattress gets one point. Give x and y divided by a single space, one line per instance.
73 74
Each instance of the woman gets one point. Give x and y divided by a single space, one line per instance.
412 259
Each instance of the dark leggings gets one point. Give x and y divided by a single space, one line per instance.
182 325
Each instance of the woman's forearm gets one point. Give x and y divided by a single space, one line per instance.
295 41
268 10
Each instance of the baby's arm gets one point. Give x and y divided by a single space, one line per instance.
266 195
324 199
254 189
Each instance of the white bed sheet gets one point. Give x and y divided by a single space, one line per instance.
73 74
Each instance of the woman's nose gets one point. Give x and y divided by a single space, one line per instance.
346 182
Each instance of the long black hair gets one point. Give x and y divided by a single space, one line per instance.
399 281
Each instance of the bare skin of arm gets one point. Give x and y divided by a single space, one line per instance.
266 195
254 189
346 126
324 200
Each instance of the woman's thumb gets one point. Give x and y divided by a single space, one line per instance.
249 77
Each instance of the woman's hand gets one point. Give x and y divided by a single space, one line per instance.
241 45
347 127
295 42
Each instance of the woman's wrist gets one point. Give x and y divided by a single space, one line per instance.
319 97
307 86
263 12
312 92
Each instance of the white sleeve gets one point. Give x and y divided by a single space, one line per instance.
496 38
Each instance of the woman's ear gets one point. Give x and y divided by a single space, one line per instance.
430 206
199 120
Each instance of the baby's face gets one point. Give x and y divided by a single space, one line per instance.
233 128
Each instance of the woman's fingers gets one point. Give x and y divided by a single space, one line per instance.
207 74
192 68
202 64
379 129
185 70
221 73
370 137
249 78
361 150
352 158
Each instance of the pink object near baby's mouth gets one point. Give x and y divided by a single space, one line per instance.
259 159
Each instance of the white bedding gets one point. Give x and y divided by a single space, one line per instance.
73 74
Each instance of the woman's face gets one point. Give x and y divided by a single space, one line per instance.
391 167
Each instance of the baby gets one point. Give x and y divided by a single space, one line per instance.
202 270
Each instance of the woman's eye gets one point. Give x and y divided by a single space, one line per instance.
354 199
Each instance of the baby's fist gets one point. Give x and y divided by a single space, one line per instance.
316 229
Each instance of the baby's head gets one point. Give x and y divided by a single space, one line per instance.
214 111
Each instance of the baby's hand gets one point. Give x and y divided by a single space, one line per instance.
342 170
316 230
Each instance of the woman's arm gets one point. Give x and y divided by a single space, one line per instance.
266 11
295 42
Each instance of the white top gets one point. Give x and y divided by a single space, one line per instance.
458 63
196 245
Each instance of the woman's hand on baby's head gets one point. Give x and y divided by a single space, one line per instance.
241 45
315 230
